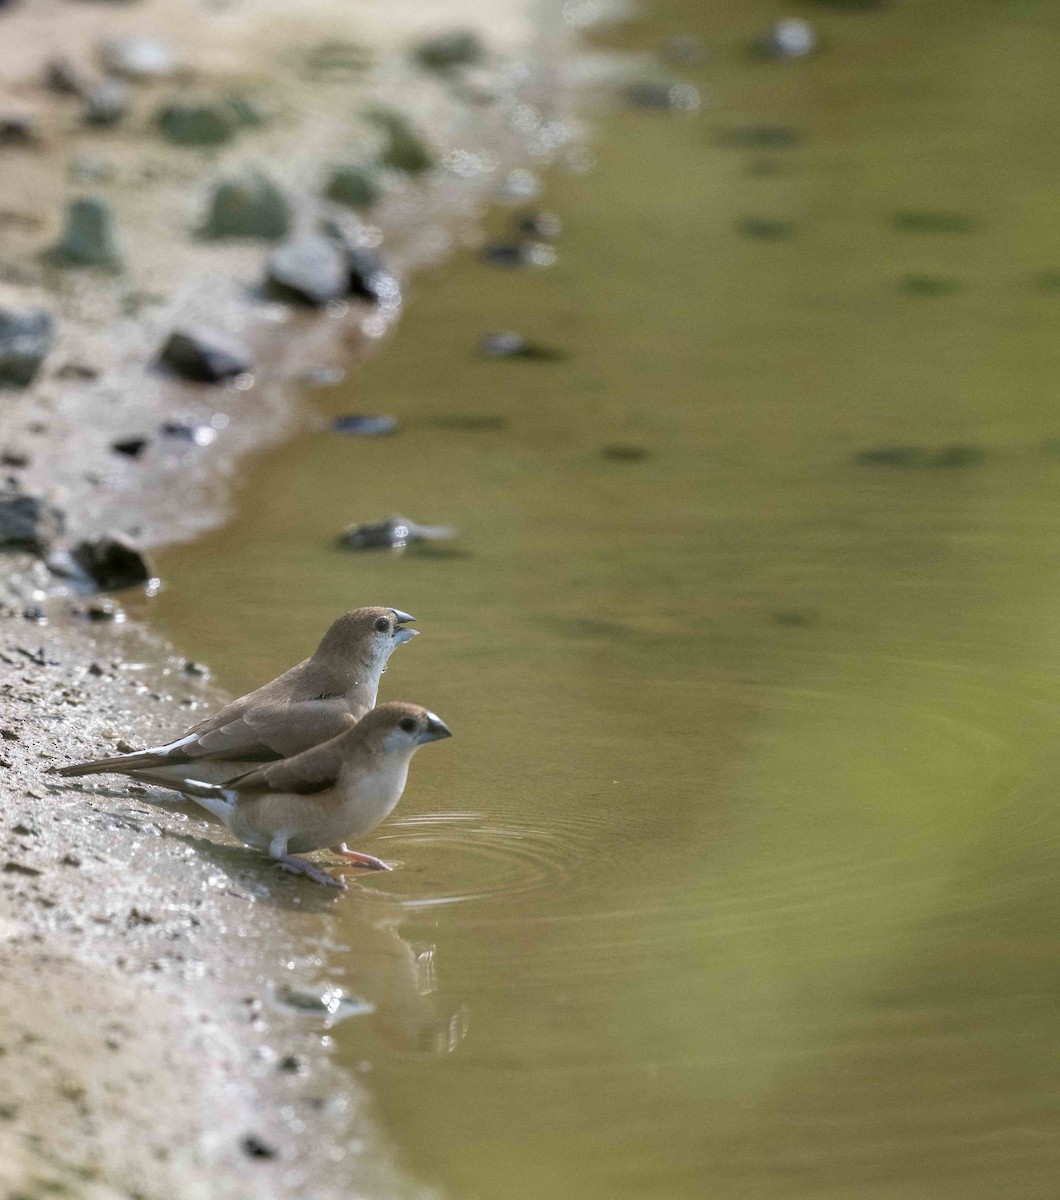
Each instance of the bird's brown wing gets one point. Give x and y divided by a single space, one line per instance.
272 730
313 770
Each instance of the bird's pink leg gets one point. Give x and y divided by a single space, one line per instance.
362 860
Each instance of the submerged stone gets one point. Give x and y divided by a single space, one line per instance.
514 345
662 96
353 185
915 221
766 229
110 563
25 339
204 355
791 38
198 123
28 522
248 205
404 149
448 51
89 238
311 270
394 533
920 456
365 425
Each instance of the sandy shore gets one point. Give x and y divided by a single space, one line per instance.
145 1050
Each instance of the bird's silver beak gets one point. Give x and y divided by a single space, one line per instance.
402 635
436 729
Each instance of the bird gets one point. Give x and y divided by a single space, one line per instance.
318 699
325 796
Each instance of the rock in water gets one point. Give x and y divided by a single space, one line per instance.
136 57
28 522
404 149
460 48
198 124
354 186
248 205
106 102
311 270
204 356
89 238
108 564
395 533
25 339
788 39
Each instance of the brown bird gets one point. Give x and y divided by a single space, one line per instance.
316 700
327 795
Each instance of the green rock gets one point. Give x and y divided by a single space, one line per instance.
460 48
248 205
198 124
354 186
89 238
404 150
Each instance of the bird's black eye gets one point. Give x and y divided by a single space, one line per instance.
408 724
383 625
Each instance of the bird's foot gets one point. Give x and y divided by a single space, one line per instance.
362 860
302 866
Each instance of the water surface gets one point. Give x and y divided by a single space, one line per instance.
740 877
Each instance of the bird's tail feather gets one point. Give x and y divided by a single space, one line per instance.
122 763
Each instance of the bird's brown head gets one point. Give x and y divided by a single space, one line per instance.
364 638
400 728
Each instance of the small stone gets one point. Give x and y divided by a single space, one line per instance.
107 102
95 669
362 425
17 129
198 435
545 226
662 96
110 563
892 456
70 860
622 452
759 137
368 277
789 39
24 830
64 76
292 1064
354 186
102 610
404 149
198 124
514 345
25 340
506 254
11 867
766 229
137 57
310 270
248 205
14 458
8 734
89 238
449 51
196 670
394 533
204 355
130 447
28 522
254 1147
36 614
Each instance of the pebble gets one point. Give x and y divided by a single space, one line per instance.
110 563
788 39
662 96
189 123
248 205
393 533
766 229
404 149
254 1147
545 226
106 102
204 356
25 340
89 237
64 76
17 129
352 185
311 270
137 57
130 447
449 51
198 435
363 425
28 522
514 345
622 452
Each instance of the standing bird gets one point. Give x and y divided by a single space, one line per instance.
327 795
318 699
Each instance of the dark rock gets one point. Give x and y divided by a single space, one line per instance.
134 56
918 456
354 186
196 670
248 205
11 867
36 614
28 522
368 277
759 137
365 426
403 149
89 238
25 339
507 254
14 458
957 456
74 370
198 435
109 563
542 225
17 129
311 270
395 533
766 229
203 123
912 221
448 51
64 76
788 39
106 102
292 1064
204 356
101 610
254 1147
623 452
928 285
514 345
662 96
130 447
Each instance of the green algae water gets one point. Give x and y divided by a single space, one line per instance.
741 876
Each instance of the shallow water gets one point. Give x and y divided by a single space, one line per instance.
742 874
